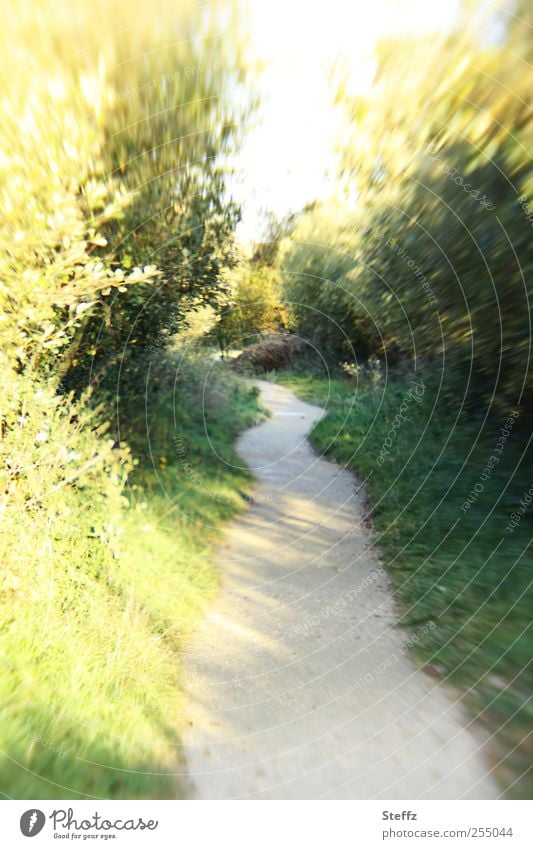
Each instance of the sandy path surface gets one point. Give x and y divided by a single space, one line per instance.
298 684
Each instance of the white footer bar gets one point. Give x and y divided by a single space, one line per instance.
268 824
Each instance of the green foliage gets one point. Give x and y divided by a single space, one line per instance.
114 126
429 252
105 575
113 164
321 309
465 570
166 136
252 306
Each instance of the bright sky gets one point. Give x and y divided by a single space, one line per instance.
286 159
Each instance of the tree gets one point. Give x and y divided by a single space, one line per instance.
431 246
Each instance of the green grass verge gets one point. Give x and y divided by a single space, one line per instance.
461 567
108 587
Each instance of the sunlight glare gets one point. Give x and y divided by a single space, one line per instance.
289 158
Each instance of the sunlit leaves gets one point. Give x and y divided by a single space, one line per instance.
433 243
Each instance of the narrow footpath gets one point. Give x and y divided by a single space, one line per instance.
299 685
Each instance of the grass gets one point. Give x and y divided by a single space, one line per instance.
104 585
463 568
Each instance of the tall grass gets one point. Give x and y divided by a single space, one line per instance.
103 582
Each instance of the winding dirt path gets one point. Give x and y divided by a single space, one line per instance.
298 684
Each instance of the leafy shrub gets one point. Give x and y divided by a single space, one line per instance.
432 257
90 672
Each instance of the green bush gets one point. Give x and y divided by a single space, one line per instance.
99 586
430 260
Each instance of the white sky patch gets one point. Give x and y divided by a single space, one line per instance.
287 157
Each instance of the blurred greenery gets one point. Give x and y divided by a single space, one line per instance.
115 226
425 251
418 271
120 263
252 306
103 581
